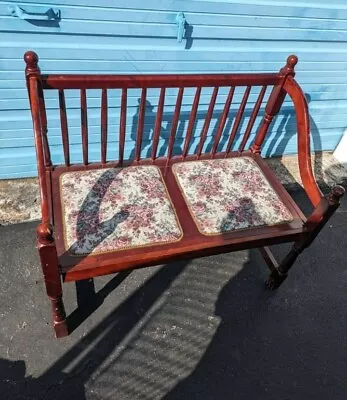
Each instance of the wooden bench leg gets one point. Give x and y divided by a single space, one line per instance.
59 317
316 221
279 274
50 269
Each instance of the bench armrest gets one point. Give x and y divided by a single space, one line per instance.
303 127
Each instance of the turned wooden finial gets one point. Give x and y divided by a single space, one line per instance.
335 195
44 233
288 69
31 59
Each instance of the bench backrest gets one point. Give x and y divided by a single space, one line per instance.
188 130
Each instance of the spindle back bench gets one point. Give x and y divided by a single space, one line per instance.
104 217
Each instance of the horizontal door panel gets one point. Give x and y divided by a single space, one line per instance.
315 9
134 29
317 56
194 19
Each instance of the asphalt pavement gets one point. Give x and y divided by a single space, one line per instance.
203 329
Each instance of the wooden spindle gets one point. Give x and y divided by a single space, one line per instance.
64 127
84 126
238 119
222 121
103 125
252 118
207 121
158 120
122 125
140 122
175 123
43 116
192 118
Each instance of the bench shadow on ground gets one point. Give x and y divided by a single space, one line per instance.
175 309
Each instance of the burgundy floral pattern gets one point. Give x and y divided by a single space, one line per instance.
114 209
225 195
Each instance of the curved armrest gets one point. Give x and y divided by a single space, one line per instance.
303 127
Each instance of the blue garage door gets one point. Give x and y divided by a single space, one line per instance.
132 36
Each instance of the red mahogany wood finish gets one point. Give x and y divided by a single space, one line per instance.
207 121
64 127
84 125
122 125
58 264
158 121
103 125
238 118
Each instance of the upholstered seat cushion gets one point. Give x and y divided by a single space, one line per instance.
114 209
225 195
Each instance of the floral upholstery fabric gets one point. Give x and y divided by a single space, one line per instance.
114 209
225 195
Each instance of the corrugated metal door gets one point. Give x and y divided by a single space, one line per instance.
137 36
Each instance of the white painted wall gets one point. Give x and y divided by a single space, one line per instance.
340 152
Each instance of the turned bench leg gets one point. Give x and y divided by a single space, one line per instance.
50 269
279 274
59 316
316 221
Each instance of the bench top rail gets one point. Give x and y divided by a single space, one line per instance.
82 81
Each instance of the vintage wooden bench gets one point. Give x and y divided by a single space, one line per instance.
103 217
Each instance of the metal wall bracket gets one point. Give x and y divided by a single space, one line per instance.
20 13
181 23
